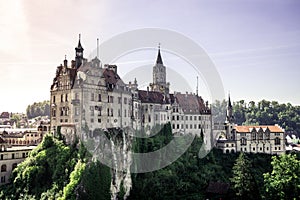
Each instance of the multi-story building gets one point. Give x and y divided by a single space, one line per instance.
269 139
87 95
10 157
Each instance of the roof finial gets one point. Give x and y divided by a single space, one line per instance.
159 60
197 87
79 36
65 57
97 47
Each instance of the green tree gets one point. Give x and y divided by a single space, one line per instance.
283 182
242 181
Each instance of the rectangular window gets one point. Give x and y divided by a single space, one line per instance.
76 96
99 110
177 126
62 111
111 112
195 118
191 118
62 98
92 97
92 120
186 118
177 117
107 111
92 110
76 111
111 99
125 115
99 97
173 126
125 100
53 99
119 100
66 97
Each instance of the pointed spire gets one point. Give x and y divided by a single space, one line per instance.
79 43
159 60
229 101
97 47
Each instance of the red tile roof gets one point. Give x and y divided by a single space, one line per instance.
248 129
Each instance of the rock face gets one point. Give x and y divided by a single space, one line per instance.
112 147
121 144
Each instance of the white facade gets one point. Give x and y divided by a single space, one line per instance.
86 96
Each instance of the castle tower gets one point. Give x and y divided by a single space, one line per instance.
79 54
159 76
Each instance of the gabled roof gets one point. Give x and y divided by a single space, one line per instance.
111 77
190 103
4 115
248 129
152 97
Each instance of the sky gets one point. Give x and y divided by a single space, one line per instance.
254 44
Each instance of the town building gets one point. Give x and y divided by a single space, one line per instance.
10 157
87 95
268 139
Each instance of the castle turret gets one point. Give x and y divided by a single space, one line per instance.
79 54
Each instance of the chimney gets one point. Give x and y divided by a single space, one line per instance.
73 63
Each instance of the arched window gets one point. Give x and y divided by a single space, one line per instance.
277 141
3 168
14 166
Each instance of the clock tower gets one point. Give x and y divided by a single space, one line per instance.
159 76
79 54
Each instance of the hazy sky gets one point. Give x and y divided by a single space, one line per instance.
254 44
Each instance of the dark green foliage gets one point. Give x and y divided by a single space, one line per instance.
283 182
243 182
38 109
263 112
54 170
189 176
95 182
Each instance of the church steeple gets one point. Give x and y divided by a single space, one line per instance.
159 60
79 54
229 113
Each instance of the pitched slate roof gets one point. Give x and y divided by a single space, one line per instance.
152 97
4 115
191 104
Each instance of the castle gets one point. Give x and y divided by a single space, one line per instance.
86 95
